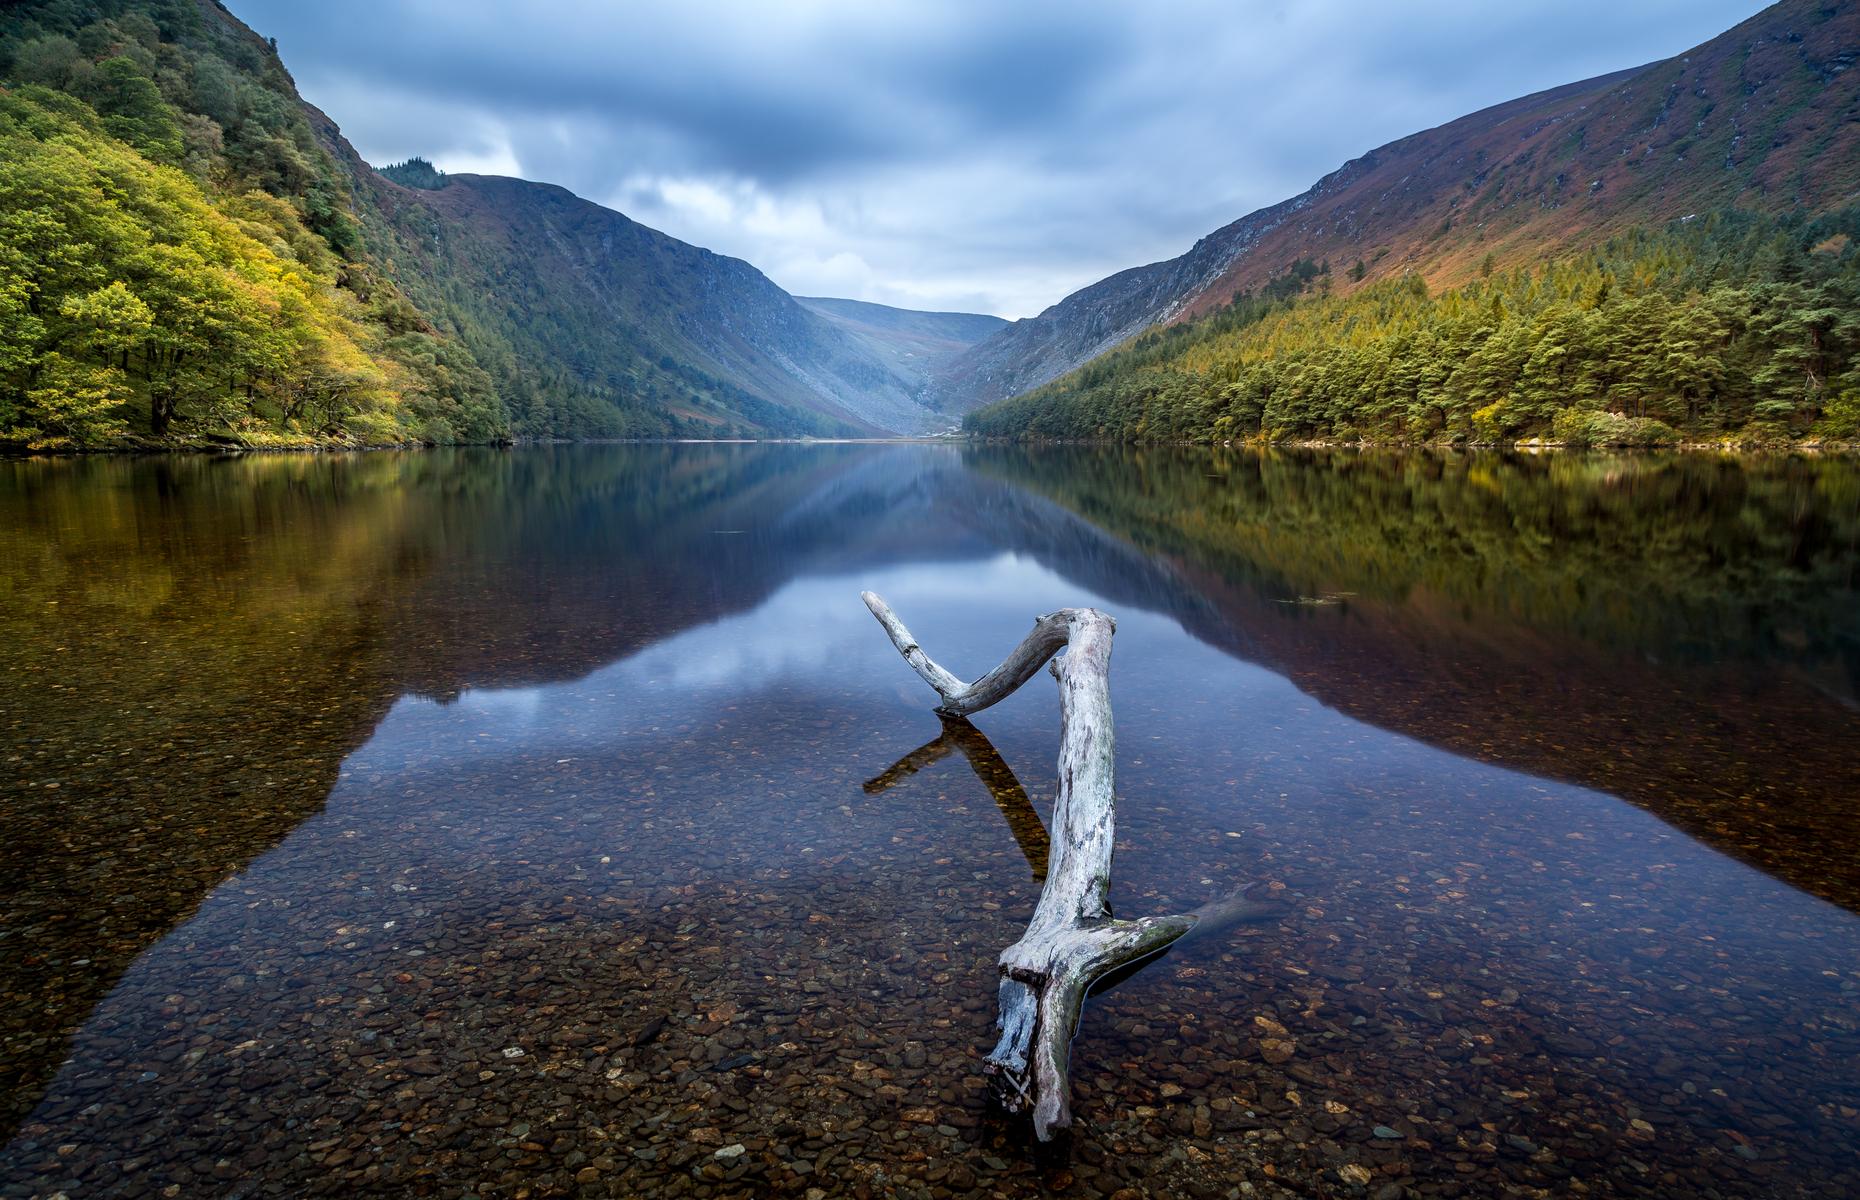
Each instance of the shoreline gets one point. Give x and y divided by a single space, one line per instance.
1526 446
1529 446
8 453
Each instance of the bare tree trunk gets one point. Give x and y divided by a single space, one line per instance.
1072 939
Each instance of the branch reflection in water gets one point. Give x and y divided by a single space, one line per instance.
959 735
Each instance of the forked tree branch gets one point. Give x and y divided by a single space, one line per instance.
964 699
1072 939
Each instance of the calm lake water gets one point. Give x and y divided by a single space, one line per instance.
526 823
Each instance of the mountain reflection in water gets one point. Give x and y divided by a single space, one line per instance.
393 764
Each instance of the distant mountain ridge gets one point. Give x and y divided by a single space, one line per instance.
950 328
1766 117
916 346
589 291
628 312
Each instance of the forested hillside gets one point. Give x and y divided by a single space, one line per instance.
1727 324
178 259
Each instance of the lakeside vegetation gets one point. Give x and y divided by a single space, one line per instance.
181 264
1727 325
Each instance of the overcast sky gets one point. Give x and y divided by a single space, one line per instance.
988 156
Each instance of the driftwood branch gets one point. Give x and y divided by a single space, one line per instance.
1049 637
1072 939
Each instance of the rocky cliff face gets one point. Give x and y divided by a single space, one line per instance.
1766 116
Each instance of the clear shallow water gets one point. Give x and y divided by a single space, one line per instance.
524 822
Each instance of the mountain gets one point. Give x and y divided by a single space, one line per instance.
595 324
1765 117
916 346
250 280
587 312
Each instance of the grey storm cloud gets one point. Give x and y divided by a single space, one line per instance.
947 154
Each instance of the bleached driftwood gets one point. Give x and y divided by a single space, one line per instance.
1049 637
1072 939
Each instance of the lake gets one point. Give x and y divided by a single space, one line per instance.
557 821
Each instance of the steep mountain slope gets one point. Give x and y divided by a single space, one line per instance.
1727 324
584 309
596 325
457 309
1763 117
914 345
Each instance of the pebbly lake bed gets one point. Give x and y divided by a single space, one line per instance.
556 821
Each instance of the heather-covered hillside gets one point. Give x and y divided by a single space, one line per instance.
1762 119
